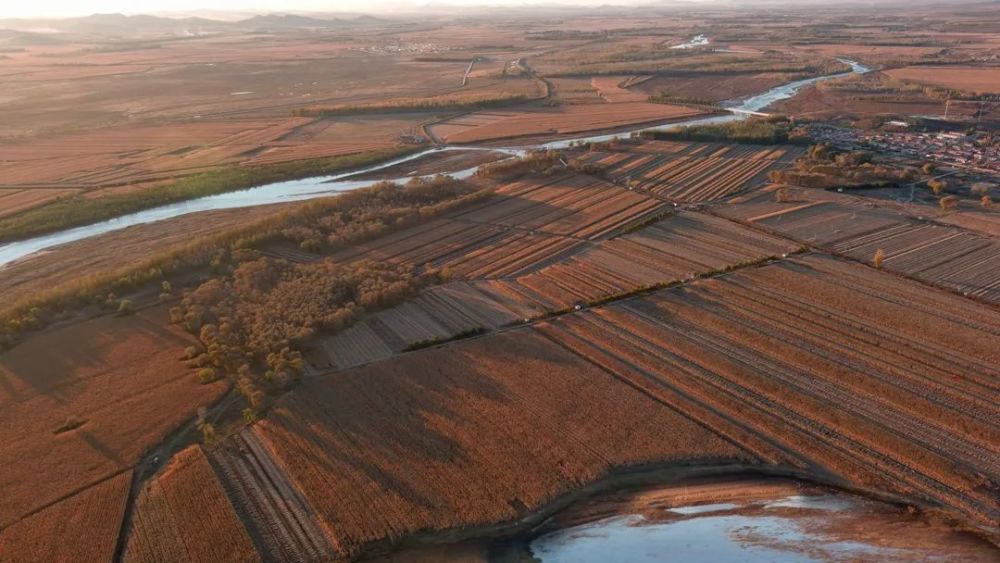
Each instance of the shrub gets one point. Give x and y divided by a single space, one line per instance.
986 202
125 307
948 203
207 375
937 186
878 258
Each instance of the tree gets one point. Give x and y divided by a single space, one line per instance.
782 195
937 186
878 258
928 168
125 307
207 430
986 202
207 375
948 203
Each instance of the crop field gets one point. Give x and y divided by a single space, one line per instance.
884 382
468 248
614 89
81 527
711 88
161 530
437 314
677 248
494 125
449 364
575 205
967 79
673 249
699 172
68 419
283 525
811 362
946 256
525 225
136 154
16 200
473 434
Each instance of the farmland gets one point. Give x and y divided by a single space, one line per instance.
157 532
86 523
942 255
742 369
69 418
483 126
433 362
471 423
966 79
690 172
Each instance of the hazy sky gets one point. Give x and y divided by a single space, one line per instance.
61 8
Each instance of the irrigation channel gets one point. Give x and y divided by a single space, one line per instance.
324 186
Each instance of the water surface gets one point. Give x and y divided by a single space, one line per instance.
323 186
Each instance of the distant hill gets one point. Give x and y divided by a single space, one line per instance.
287 21
119 24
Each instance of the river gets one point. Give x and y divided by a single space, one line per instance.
323 186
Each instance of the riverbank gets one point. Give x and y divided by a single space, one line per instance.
323 186
651 490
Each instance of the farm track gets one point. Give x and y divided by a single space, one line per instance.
274 512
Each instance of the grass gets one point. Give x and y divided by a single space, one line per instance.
77 211
774 130
442 103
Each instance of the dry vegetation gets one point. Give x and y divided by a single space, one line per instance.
82 527
104 372
457 437
162 531
383 403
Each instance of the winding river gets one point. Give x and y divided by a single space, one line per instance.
323 186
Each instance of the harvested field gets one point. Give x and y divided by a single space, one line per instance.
692 173
575 205
524 226
281 521
494 124
69 398
137 154
829 359
711 88
437 314
677 248
467 247
946 256
14 201
986 223
816 102
471 434
163 531
81 527
614 89
980 80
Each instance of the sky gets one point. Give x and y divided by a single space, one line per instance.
68 8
